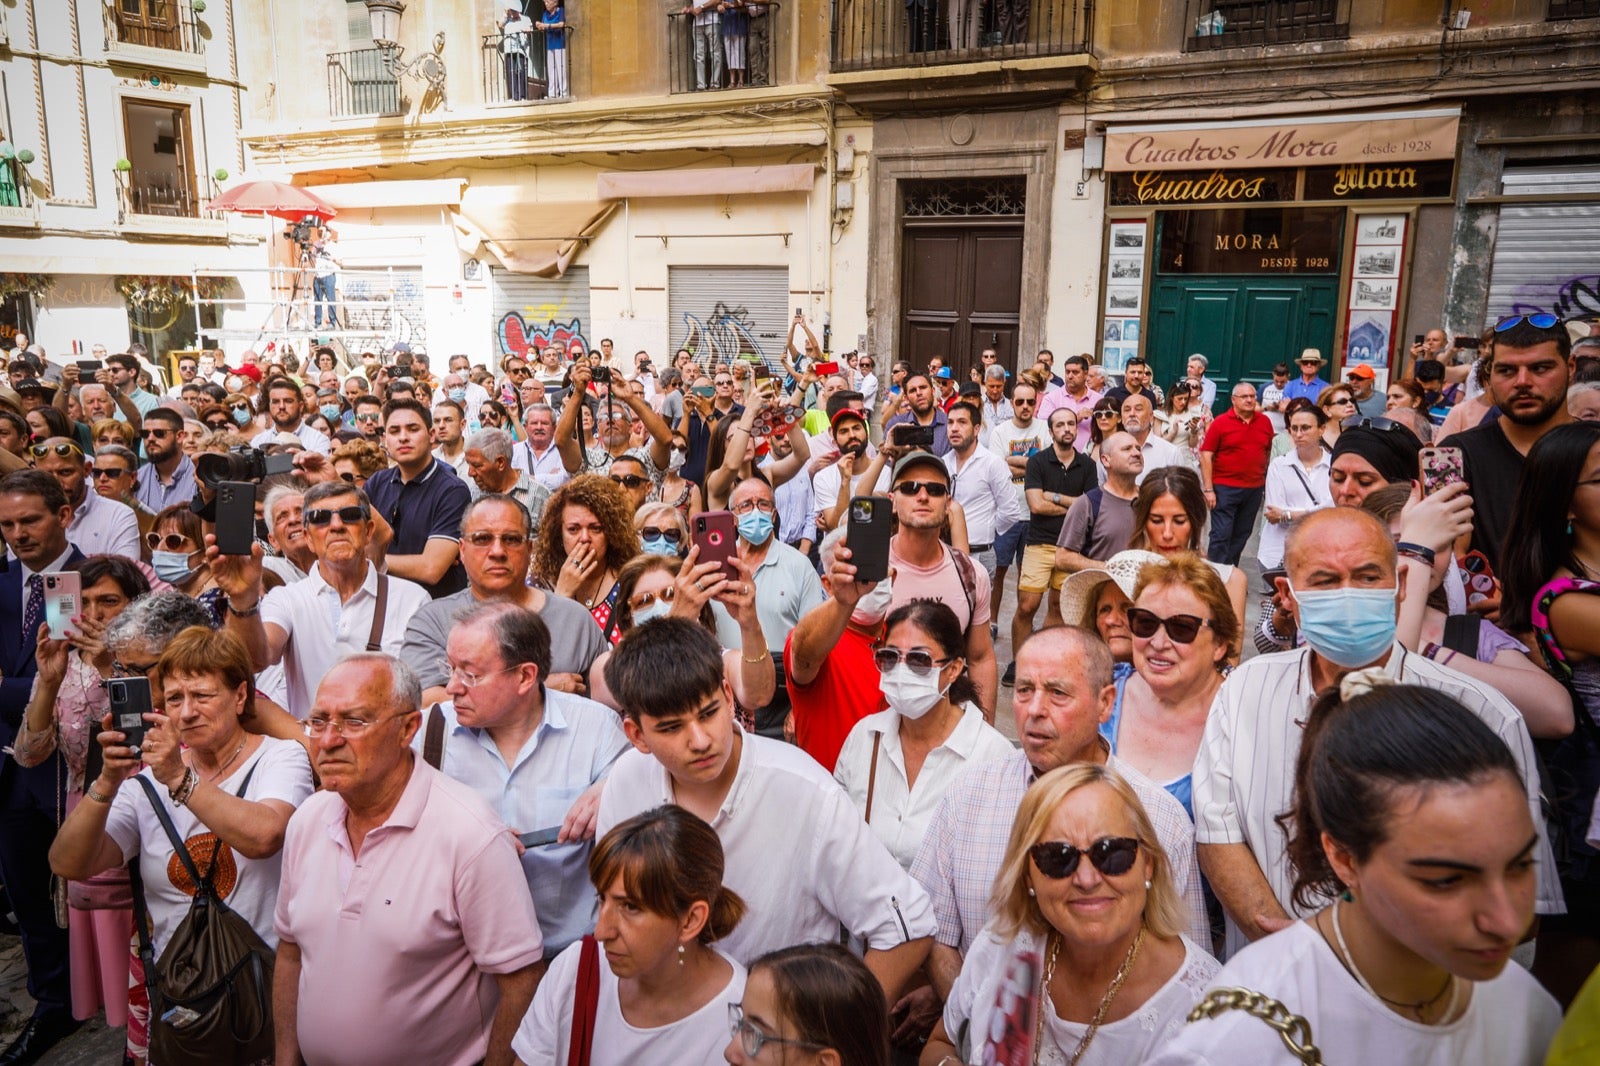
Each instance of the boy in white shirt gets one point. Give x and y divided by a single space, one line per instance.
797 850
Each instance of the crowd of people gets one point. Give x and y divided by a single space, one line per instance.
551 715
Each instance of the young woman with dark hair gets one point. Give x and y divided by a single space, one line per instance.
810 1005
1170 515
1411 821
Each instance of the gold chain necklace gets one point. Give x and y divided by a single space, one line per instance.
1100 1012
217 775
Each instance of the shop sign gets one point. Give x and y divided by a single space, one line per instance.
1324 140
1290 240
1380 181
1350 181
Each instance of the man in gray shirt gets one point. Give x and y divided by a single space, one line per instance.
496 547
1100 522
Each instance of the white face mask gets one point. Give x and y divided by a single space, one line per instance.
910 695
872 608
676 460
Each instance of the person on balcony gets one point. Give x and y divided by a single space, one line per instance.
554 25
325 277
515 34
735 40
707 42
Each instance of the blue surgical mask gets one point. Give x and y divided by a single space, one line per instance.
458 395
242 416
756 527
1349 627
330 411
660 546
658 609
172 567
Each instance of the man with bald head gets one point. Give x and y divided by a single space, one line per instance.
1139 419
1099 524
1233 470
1343 588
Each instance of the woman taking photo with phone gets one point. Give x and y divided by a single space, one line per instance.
1411 823
659 990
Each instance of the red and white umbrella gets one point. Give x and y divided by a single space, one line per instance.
272 198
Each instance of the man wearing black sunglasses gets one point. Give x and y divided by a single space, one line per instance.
99 525
1528 378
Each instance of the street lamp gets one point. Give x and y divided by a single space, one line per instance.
385 18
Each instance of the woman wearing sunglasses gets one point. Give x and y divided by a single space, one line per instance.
1105 418
662 529
662 991
1338 402
1184 633
896 764
810 1005
177 555
1086 886
355 461
1423 868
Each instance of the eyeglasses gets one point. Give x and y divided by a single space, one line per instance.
1112 856
746 506
39 451
239 407
1105 414
1182 628
467 678
122 669
215 424
350 726
172 542
752 1039
110 471
920 661
640 601
321 516
368 417
671 536
1382 425
1023 403
517 371
723 381
1543 320
934 489
348 477
632 481
483 538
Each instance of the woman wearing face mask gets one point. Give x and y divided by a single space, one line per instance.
655 586
243 413
674 488
330 405
177 555
896 764
662 530
1410 827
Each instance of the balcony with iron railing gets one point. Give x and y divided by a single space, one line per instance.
162 33
166 203
527 67
364 81
1211 24
882 34
737 49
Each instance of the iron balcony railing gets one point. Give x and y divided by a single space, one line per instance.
364 81
523 67
169 24
1236 23
883 34
168 194
735 49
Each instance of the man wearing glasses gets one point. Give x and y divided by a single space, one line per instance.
1528 377
99 526
343 606
115 475
496 549
123 369
188 368
170 476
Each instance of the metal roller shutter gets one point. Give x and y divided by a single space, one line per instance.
1547 256
531 312
724 313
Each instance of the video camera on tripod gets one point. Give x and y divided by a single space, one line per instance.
301 233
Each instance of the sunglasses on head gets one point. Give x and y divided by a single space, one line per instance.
1182 628
933 488
1112 856
919 661
671 536
1537 321
632 481
172 542
321 516
39 451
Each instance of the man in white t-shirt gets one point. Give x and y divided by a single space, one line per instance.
857 458
1015 440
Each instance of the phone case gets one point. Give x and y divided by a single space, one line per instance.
63 595
1440 467
130 702
870 525
717 536
236 517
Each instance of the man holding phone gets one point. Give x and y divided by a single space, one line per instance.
922 411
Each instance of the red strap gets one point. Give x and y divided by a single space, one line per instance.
585 1003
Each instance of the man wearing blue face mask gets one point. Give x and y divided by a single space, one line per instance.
786 588
1343 588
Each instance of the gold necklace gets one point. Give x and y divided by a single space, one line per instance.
1100 1012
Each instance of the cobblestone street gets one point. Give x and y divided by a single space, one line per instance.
93 1045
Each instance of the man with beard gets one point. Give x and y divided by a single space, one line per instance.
923 411
1528 378
169 477
829 488
286 408
99 526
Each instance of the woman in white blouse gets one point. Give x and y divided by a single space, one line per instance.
896 764
663 991
1086 887
1297 481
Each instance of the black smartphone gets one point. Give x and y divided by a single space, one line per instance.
761 370
236 517
540 837
88 366
130 702
716 534
871 524
1417 339
911 435
1466 342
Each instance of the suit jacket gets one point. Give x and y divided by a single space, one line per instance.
17 670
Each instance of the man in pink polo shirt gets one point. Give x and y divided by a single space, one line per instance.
407 933
1075 395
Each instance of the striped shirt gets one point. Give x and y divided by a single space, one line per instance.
1244 772
965 845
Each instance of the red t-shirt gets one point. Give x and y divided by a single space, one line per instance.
844 691
1240 450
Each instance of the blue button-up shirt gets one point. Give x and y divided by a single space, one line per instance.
156 495
574 746
1300 388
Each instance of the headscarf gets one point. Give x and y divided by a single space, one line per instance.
1392 451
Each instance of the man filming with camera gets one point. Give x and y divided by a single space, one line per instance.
325 276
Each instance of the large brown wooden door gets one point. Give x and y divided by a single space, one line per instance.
961 292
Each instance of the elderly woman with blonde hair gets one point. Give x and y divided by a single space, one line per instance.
1086 888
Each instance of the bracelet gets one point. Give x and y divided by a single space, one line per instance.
1430 650
1416 551
90 792
757 659
181 794
248 612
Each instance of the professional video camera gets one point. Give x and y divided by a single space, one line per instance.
240 464
300 232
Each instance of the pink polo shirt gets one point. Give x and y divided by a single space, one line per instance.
398 947
1082 406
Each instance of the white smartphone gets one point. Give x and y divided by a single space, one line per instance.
63 601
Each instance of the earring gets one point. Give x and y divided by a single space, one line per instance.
1147 886
680 954
1348 896
1030 892
1569 527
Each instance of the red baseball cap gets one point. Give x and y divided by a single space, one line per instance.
847 412
249 370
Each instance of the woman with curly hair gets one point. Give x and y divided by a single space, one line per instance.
585 536
356 460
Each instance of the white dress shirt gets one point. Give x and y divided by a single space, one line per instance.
1158 452
982 486
795 850
104 527
546 469
1290 486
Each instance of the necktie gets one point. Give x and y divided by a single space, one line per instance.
33 610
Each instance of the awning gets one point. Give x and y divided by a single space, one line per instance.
1376 137
526 235
705 181
365 194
